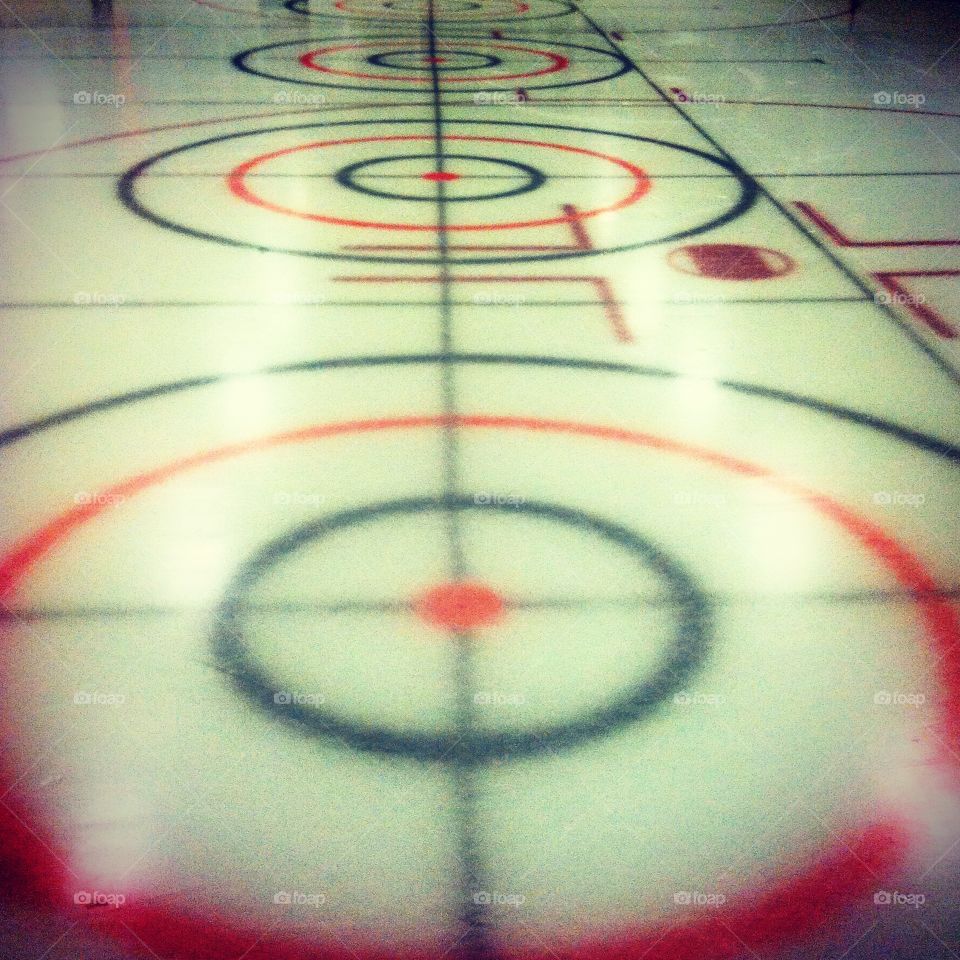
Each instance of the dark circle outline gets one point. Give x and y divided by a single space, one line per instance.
537 179
294 5
688 652
914 438
126 193
239 61
773 24
376 61
820 18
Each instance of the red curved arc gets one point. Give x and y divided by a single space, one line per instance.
236 182
853 869
796 905
648 102
309 60
147 131
802 904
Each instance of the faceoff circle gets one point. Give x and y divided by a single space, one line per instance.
131 183
460 747
548 68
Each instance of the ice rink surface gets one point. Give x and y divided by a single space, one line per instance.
481 480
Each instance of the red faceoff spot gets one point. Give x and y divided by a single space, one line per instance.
434 59
440 175
461 606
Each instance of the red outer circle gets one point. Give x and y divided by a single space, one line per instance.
558 63
794 905
236 180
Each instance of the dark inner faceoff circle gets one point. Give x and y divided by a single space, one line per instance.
346 177
480 61
682 659
555 8
417 9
